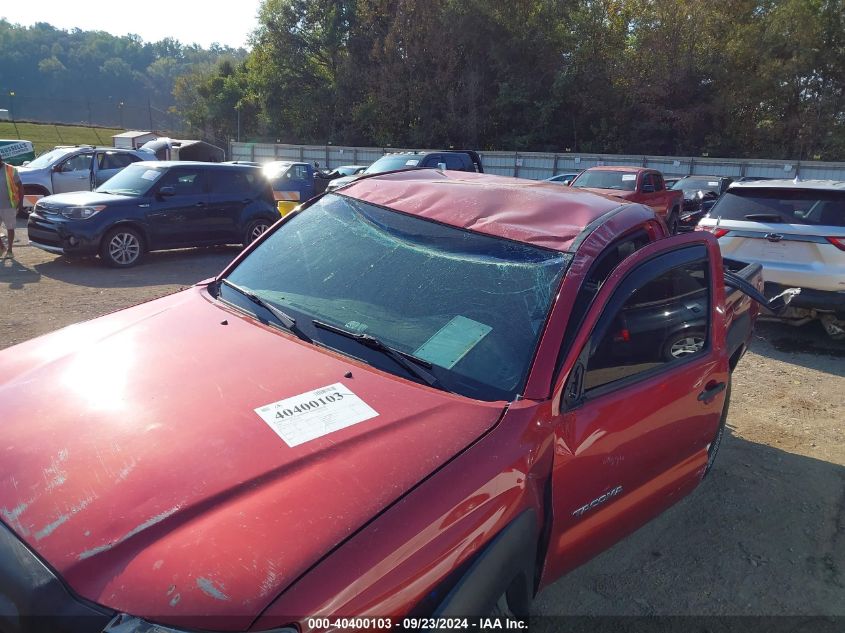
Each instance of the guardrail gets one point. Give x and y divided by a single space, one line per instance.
539 165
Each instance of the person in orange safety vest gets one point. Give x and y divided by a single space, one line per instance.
11 199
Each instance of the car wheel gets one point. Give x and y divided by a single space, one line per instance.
254 230
672 222
122 247
720 432
683 344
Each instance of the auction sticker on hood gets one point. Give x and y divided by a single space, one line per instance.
315 413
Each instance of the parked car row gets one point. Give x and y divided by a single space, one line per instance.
169 205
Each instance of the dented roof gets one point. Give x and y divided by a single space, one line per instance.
535 212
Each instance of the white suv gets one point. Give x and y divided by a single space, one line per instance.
74 168
796 230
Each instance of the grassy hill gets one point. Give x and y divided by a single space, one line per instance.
45 135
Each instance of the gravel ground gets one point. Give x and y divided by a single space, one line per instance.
764 535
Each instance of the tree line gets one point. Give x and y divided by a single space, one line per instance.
739 78
744 78
75 76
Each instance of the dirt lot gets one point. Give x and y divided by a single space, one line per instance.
765 535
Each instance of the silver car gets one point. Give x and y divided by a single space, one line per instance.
796 230
74 168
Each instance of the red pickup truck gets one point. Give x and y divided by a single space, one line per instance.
635 184
431 394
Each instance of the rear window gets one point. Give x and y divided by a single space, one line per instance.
790 206
622 180
227 181
389 163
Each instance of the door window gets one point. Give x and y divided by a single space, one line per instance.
233 182
453 162
115 160
185 182
658 182
80 162
664 319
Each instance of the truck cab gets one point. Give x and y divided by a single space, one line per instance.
635 184
292 182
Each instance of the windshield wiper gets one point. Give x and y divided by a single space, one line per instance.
764 217
282 317
413 365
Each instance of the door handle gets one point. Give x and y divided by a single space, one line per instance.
711 391
200 204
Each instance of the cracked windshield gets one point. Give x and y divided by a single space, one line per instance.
467 306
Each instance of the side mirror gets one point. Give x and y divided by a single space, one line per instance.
25 163
441 166
647 188
166 192
58 168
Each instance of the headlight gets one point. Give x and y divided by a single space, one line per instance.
124 623
81 213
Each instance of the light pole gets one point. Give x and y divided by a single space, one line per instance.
12 112
238 110
120 111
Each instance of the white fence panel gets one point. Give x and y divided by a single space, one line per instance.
540 165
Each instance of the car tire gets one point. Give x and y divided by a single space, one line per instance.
255 229
122 247
720 432
683 344
673 222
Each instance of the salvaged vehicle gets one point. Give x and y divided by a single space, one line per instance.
564 178
292 183
796 230
153 206
635 184
74 168
409 398
700 194
454 160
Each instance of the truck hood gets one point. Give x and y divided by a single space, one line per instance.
85 198
132 459
616 193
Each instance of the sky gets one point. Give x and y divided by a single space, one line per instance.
189 21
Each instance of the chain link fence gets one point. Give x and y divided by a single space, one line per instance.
104 112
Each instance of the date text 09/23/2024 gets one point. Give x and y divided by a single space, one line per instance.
412 624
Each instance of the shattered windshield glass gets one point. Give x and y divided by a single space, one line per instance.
470 306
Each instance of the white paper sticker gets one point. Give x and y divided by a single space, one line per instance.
712 183
315 413
151 174
412 162
629 177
